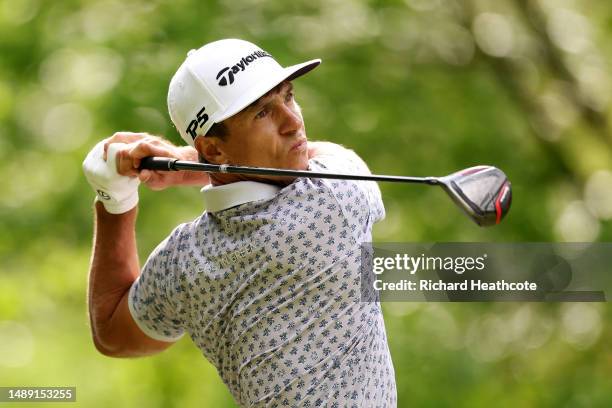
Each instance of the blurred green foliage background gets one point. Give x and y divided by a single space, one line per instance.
416 87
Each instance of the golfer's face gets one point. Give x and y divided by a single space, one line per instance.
269 133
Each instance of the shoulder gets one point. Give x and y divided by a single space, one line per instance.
181 239
357 197
333 157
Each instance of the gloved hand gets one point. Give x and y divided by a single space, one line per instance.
118 193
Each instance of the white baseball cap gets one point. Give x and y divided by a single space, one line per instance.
219 80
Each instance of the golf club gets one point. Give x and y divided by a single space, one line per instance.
483 192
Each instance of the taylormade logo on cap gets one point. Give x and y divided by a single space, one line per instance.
244 62
219 80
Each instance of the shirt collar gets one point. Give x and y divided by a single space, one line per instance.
230 195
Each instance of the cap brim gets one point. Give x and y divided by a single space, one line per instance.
260 89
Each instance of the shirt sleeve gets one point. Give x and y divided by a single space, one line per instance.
347 161
153 299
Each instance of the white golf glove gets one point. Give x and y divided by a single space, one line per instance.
118 193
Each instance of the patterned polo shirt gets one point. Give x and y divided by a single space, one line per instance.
266 282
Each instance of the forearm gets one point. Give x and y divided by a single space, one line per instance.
114 266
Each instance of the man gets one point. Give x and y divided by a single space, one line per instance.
267 280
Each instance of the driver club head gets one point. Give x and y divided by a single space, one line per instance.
483 192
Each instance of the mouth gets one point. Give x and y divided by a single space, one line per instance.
299 145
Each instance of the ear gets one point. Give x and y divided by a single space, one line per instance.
211 149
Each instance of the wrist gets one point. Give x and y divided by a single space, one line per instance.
103 214
188 153
194 178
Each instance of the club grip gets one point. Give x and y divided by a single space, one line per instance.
157 163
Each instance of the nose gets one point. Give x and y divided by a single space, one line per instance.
290 121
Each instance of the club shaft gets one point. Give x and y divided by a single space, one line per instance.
165 164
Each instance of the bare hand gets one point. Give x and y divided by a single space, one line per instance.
140 145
